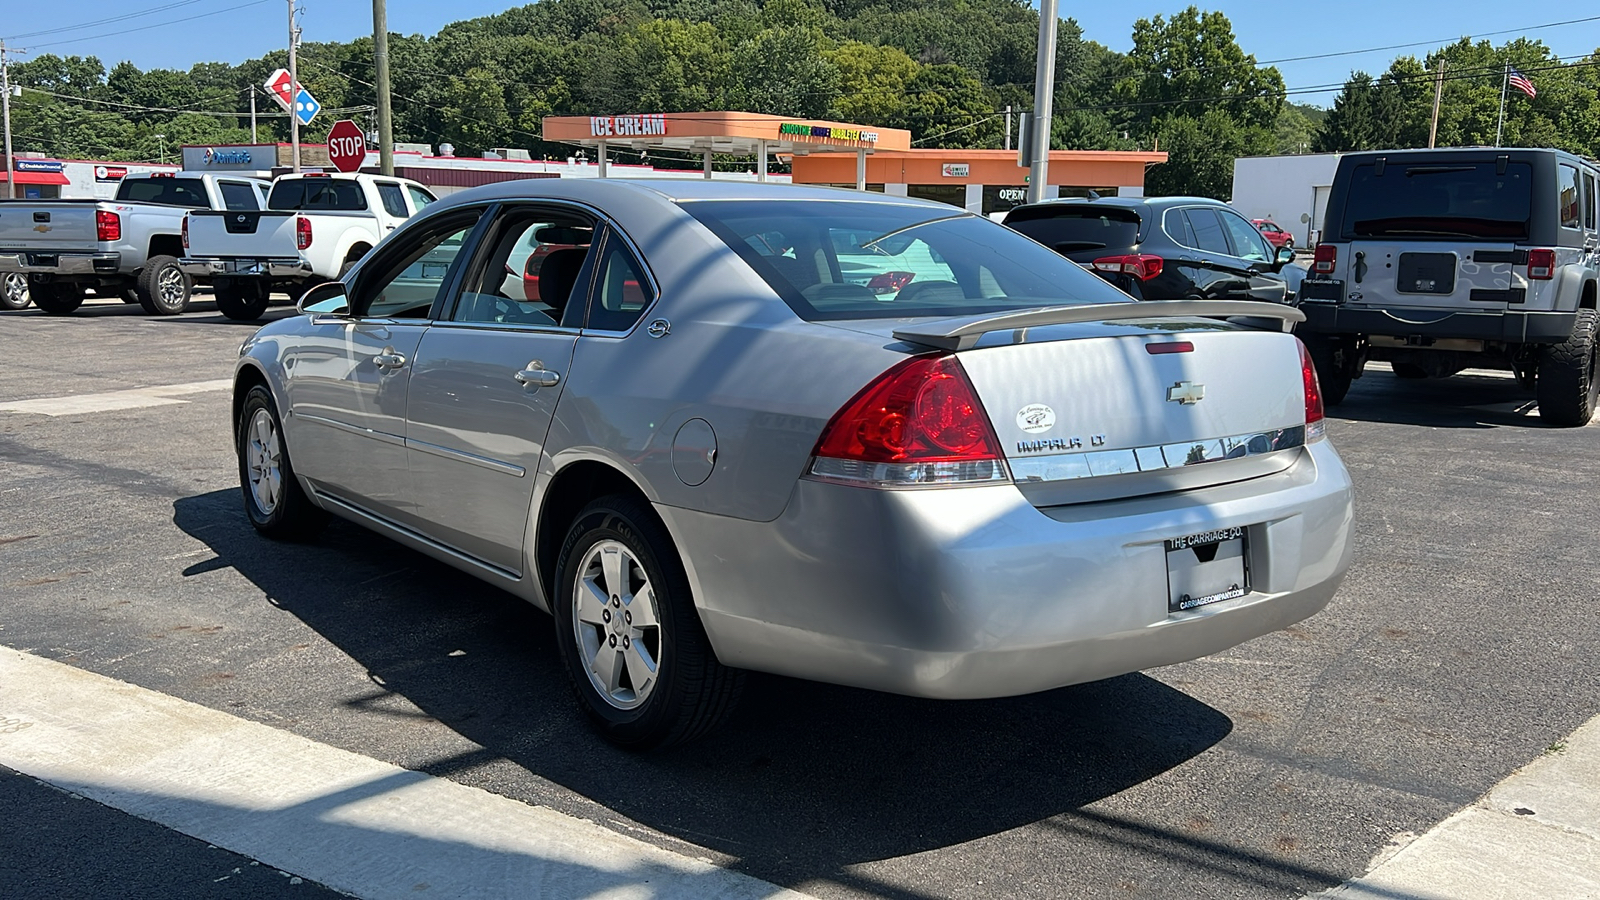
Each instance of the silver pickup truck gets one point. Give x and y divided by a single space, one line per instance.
127 247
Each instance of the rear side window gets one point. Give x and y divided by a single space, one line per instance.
188 192
317 194
1247 241
1590 203
1208 231
621 292
1439 199
1567 199
394 202
419 197
237 195
1073 230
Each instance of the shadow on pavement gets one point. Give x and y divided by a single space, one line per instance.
806 780
1461 401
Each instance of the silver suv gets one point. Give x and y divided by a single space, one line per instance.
1437 260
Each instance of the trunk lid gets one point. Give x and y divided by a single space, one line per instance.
245 234
47 226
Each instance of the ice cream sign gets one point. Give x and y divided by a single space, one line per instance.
628 126
827 133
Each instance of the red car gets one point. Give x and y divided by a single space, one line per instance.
1275 236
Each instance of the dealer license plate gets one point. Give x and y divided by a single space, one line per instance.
1206 568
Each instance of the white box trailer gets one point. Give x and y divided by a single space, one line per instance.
1290 190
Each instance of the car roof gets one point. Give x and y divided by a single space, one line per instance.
1476 151
1154 204
605 191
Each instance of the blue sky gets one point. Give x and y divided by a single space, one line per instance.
236 30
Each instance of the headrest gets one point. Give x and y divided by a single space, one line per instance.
557 274
563 234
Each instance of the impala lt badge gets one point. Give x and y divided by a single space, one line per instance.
1187 393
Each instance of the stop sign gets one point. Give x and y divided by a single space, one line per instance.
347 146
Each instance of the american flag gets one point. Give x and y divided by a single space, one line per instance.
1521 83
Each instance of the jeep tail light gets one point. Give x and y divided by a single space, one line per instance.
107 226
1315 426
1143 266
887 282
1327 255
302 232
1541 264
185 233
919 423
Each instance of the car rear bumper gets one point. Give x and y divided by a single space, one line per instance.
64 263
213 267
1512 326
972 592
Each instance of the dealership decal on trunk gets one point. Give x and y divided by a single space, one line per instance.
1036 417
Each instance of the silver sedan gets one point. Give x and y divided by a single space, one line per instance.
840 436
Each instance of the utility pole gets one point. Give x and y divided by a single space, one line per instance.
253 114
5 102
380 59
1008 126
1043 87
294 89
1438 94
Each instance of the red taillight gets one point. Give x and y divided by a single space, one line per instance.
918 423
1143 266
885 282
186 232
1313 388
1541 264
302 232
1327 255
1161 347
107 226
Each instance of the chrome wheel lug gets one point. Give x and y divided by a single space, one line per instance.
613 640
627 616
626 643
605 616
615 600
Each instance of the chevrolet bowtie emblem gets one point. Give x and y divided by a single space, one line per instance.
1187 393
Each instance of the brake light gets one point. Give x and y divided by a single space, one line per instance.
887 282
186 232
302 232
1541 264
918 423
1143 266
1315 426
107 226
1327 255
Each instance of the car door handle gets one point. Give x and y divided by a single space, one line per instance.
389 360
536 375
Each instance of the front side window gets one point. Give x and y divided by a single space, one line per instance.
1247 241
847 259
1567 199
394 202
1208 231
407 279
419 197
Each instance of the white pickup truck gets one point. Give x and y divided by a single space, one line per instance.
316 225
126 247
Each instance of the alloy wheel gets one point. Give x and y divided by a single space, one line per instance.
15 290
169 284
617 624
263 457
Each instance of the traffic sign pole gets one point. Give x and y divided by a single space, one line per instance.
294 84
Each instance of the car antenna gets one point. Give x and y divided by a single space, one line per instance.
1094 195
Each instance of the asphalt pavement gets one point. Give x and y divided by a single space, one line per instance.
1460 648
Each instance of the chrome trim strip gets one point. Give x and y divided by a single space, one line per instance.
420 538
1096 463
383 436
463 456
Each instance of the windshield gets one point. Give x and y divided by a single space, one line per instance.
1457 200
166 191
861 260
1080 230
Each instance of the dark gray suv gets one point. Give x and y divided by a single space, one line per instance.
1163 248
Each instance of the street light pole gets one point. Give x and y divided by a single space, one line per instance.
380 59
1044 83
294 89
5 102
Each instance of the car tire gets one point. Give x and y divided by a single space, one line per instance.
1567 387
57 299
14 291
1408 370
1333 371
241 300
273 500
162 288
629 634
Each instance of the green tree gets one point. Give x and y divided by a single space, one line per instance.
872 82
784 71
1191 64
947 106
1201 152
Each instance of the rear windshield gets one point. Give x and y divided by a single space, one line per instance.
1443 199
1078 230
862 260
189 192
317 193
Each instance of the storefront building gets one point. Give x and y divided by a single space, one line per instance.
39 178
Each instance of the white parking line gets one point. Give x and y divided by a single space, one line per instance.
108 401
352 823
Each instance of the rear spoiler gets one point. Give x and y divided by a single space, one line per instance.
963 332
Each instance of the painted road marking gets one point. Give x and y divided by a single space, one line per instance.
108 401
1536 834
355 824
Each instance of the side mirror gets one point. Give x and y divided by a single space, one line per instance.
1285 255
325 299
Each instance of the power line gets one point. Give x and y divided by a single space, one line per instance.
106 21
235 8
